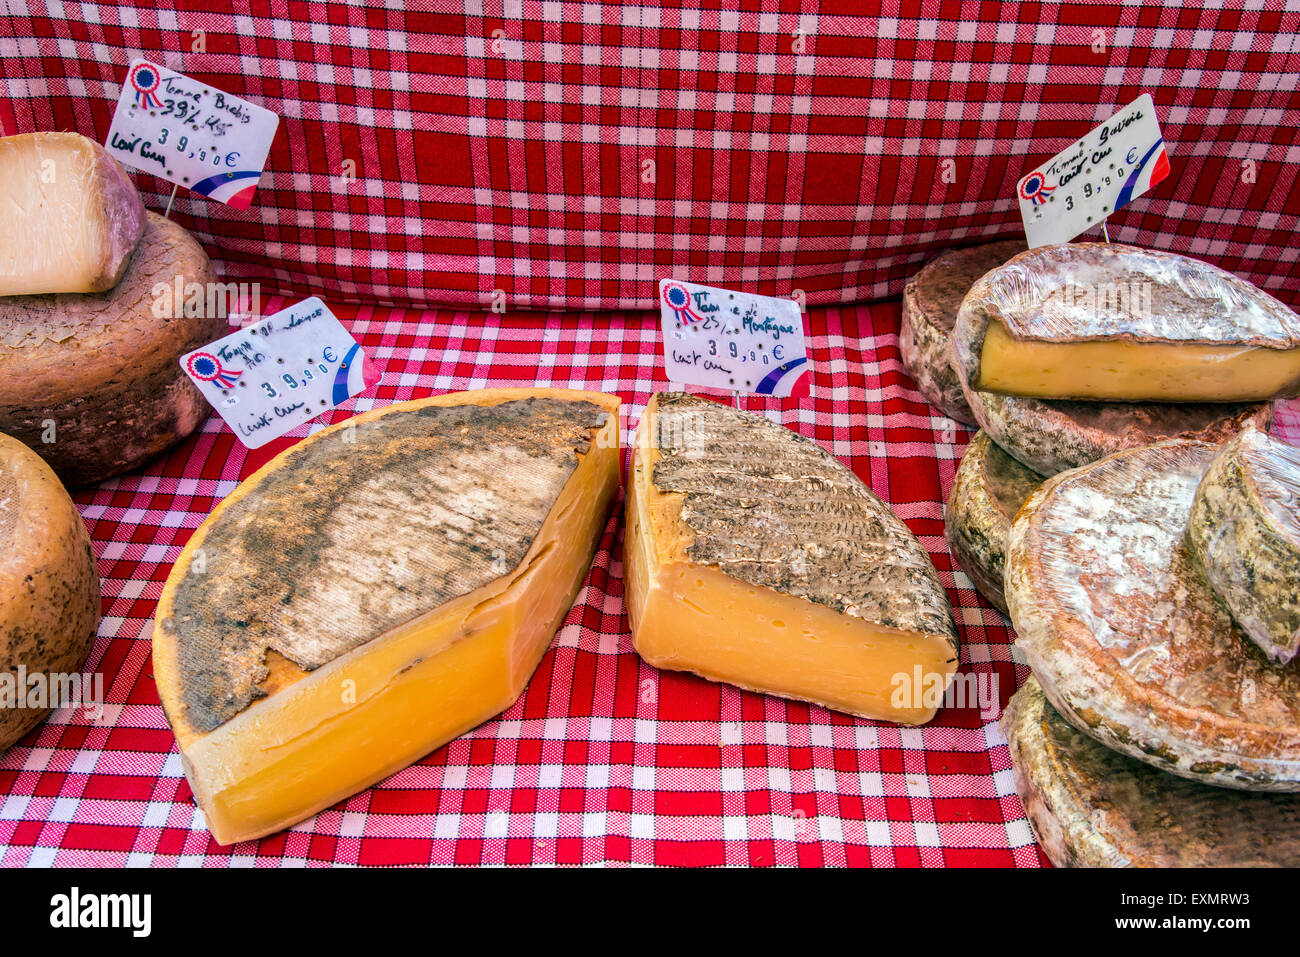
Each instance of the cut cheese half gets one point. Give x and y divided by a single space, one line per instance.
1244 531
1129 642
1093 807
1107 322
377 590
70 215
755 558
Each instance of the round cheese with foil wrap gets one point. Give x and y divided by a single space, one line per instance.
1129 642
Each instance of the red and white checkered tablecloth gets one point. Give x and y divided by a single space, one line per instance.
604 759
569 154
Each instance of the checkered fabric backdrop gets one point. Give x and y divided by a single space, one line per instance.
604 759
570 154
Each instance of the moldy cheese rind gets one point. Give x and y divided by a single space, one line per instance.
1244 531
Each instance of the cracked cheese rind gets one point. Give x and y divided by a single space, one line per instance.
1052 435
930 302
1108 322
987 492
71 215
375 591
98 373
755 558
1093 807
49 584
1130 644
1244 531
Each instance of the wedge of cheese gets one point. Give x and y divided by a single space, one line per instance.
1244 530
1103 321
755 558
70 215
375 591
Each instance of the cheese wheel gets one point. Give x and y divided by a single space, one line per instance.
1052 435
1244 531
49 587
1090 806
988 490
92 382
930 302
1127 639
70 215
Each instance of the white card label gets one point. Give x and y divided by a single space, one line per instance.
189 133
1101 173
733 341
281 371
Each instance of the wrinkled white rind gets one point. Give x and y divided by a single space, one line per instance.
1128 641
71 215
1191 302
1090 806
1244 532
1052 435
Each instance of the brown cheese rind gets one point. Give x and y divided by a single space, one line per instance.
1129 643
1090 806
930 303
1052 435
361 530
987 492
773 509
1191 302
49 584
102 367
1244 532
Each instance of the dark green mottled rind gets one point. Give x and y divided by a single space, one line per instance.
1244 532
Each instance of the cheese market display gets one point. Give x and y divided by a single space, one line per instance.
77 213
378 589
1129 642
1108 322
49 589
1094 807
755 558
930 302
1244 532
987 492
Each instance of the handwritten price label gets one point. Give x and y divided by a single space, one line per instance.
1101 173
281 371
733 341
189 133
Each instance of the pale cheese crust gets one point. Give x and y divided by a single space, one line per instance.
1090 806
1129 643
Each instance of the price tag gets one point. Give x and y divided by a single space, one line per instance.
281 371
190 133
733 341
1101 173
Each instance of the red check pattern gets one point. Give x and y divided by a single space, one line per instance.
604 759
553 154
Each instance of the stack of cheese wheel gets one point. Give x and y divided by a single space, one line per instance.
1150 577
91 326
1102 298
